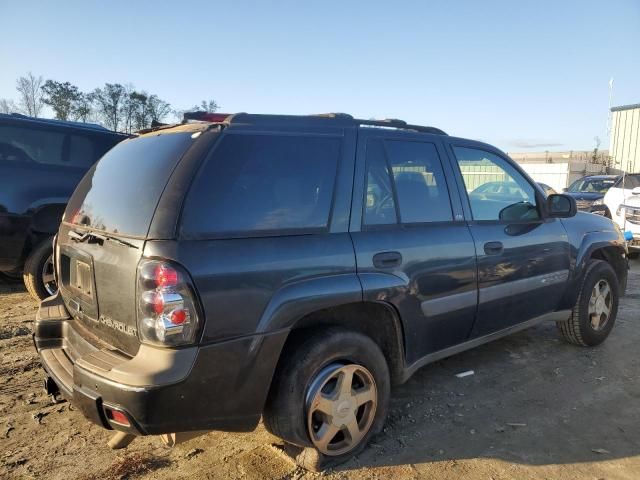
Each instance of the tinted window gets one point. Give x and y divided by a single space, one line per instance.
497 191
255 183
592 185
630 182
81 151
420 185
31 146
120 193
379 205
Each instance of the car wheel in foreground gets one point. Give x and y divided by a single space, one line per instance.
595 311
38 273
329 396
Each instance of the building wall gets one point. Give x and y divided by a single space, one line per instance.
568 156
625 138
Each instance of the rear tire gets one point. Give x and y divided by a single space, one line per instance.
330 370
38 271
594 314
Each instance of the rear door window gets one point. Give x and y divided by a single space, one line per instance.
253 184
421 194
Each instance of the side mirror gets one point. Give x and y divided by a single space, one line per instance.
561 206
635 191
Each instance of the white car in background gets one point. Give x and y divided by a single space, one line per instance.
624 207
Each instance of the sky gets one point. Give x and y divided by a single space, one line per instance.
522 75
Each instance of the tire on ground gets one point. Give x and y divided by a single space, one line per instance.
578 329
310 351
32 272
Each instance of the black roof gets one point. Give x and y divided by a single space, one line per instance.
625 107
17 117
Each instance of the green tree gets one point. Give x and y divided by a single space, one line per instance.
82 108
206 106
109 102
61 97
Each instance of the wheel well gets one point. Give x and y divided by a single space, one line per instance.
47 219
378 321
612 256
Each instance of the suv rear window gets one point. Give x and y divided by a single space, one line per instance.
39 146
263 183
120 193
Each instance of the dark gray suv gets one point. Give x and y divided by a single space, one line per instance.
294 268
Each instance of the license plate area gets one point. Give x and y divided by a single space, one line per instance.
77 282
81 278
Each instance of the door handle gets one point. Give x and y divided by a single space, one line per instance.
387 259
493 248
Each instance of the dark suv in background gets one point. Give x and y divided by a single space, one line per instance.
589 192
295 268
41 162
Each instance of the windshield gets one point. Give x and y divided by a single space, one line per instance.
592 185
120 193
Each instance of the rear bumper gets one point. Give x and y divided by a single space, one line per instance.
221 386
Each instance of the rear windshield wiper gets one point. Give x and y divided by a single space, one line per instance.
94 237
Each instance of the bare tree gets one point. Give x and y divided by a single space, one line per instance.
7 106
157 109
30 91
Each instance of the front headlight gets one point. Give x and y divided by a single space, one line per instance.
599 201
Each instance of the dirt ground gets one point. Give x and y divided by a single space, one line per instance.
535 408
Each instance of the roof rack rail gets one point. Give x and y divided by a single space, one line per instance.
333 115
401 124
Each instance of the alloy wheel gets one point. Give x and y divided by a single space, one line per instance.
341 406
48 277
600 304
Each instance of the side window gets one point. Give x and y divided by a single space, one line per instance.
418 180
81 152
379 205
420 185
631 182
496 190
31 145
256 183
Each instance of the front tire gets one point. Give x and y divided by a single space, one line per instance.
595 312
330 394
38 274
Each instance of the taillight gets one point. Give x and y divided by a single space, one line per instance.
166 304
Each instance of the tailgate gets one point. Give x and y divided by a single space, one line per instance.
97 281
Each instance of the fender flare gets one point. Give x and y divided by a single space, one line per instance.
591 242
